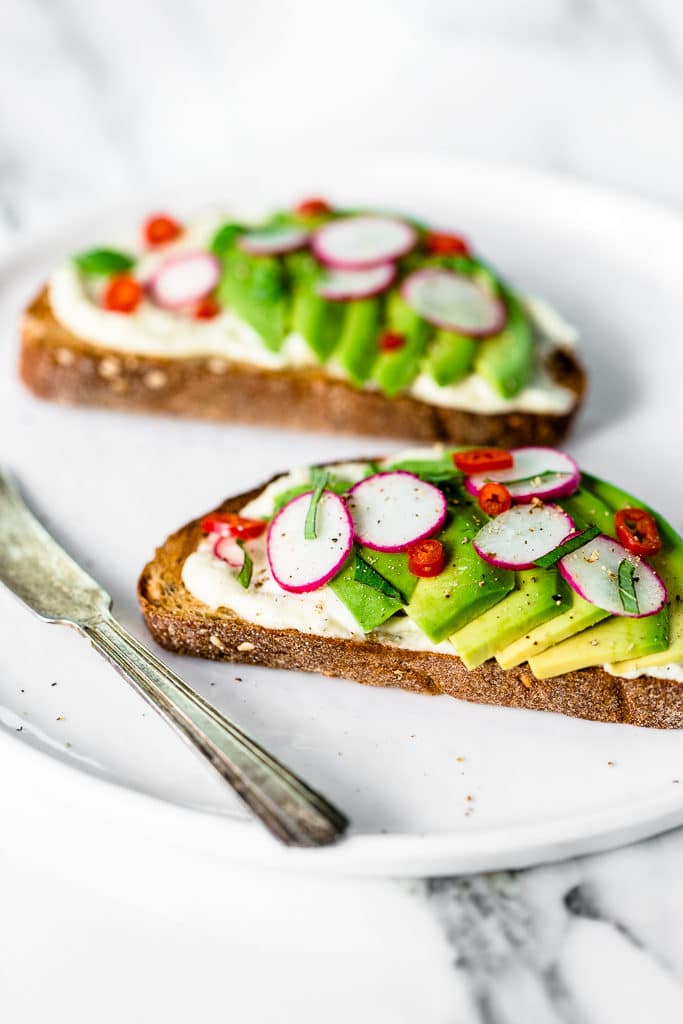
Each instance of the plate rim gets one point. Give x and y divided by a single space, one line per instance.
395 854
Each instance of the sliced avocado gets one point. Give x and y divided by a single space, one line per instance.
668 563
466 588
317 320
369 607
357 349
579 616
450 357
541 594
393 371
587 509
613 640
506 359
393 566
256 288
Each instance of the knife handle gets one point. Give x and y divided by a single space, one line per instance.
290 809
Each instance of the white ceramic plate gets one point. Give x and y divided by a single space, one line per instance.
431 785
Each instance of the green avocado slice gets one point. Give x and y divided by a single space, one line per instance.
578 616
540 595
357 349
506 359
450 357
393 566
255 287
369 607
394 371
610 641
466 588
317 320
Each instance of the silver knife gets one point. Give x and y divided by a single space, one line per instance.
46 579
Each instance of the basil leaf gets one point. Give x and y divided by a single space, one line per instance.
245 572
319 478
103 261
334 483
577 541
373 468
225 238
364 573
627 587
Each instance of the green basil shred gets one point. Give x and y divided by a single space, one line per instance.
577 541
319 478
247 569
627 587
103 261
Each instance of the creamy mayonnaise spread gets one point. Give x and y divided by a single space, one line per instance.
319 612
153 331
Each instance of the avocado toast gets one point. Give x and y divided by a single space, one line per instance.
496 576
316 318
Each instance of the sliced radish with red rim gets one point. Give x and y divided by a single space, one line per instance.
536 473
299 565
184 279
454 302
273 241
593 572
516 538
344 285
228 550
391 511
358 243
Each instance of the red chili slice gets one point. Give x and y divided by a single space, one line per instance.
482 460
207 309
122 294
313 208
637 531
391 341
426 558
229 524
161 229
493 499
441 244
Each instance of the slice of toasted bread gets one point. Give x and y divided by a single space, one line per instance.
181 623
58 365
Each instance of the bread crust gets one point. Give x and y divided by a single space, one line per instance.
55 364
181 623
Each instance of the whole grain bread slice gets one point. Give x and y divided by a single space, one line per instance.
181 623
56 364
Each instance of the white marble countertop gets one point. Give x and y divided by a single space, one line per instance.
99 100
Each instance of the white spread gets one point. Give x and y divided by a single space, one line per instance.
319 612
672 672
153 331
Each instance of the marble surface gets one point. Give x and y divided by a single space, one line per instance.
100 100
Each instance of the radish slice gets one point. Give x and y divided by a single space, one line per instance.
390 511
299 565
593 572
358 243
228 550
343 285
539 472
516 538
184 279
273 241
454 302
